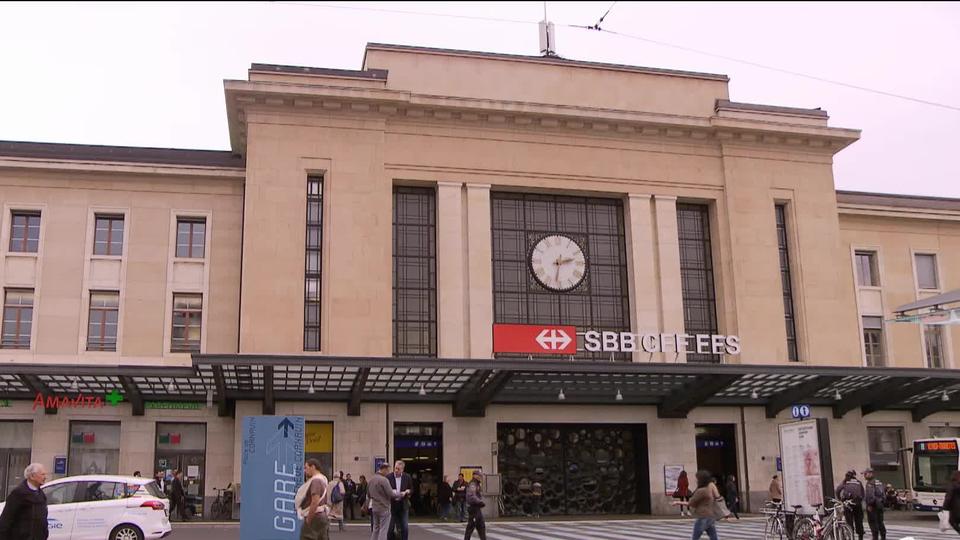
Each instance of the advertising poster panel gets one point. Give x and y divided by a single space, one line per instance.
807 468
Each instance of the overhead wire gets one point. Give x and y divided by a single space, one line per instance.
597 28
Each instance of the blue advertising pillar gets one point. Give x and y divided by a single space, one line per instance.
271 471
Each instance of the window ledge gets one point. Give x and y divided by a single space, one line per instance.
870 287
23 254
190 259
106 257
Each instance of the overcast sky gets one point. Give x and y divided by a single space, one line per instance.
152 74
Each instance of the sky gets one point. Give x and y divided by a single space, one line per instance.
151 74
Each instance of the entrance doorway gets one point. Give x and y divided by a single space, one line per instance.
717 452
15 443
581 468
184 447
420 447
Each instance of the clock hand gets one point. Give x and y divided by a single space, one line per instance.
565 261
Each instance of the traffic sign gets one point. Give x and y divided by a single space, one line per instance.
800 411
534 339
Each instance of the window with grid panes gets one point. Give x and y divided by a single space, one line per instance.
191 237
313 264
866 264
108 235
414 272
600 302
873 341
25 232
17 318
103 321
696 275
791 324
933 344
187 317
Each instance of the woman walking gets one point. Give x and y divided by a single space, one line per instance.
733 496
951 503
683 492
703 506
337 496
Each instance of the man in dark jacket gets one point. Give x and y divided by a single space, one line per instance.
459 497
402 486
475 506
852 490
24 516
444 496
178 497
350 487
874 496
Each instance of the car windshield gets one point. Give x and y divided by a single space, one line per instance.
153 489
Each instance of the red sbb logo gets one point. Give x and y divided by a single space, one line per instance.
534 339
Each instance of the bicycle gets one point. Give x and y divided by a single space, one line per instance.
831 527
222 507
777 526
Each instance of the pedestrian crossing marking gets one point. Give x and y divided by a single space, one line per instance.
656 529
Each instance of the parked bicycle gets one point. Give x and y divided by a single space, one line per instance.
830 526
222 507
779 524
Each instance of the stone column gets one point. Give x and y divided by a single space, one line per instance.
479 271
642 269
451 271
668 267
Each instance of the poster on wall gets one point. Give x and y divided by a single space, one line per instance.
468 470
807 466
670 475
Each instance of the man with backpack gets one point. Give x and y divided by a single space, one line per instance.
874 497
852 490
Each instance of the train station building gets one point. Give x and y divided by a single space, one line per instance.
586 275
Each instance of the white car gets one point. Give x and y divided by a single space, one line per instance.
104 507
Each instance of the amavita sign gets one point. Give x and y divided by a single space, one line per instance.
596 341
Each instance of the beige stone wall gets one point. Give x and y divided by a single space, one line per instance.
896 240
63 271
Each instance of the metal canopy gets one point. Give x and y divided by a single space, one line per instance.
938 301
470 385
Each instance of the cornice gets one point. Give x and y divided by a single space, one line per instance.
402 105
898 212
120 167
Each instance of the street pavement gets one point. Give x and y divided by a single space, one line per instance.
644 529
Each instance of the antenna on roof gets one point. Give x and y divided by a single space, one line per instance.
548 44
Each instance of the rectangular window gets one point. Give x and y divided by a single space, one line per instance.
933 343
191 237
885 456
792 353
873 341
926 271
414 272
17 318
867 269
313 264
108 236
187 317
94 448
696 274
25 232
104 320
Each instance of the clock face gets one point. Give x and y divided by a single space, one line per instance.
558 262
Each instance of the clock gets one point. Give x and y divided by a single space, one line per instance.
558 262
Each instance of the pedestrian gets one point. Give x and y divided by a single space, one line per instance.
775 491
852 490
362 495
337 499
161 481
311 502
351 500
703 506
444 498
682 493
178 497
475 504
24 515
400 506
873 496
536 499
381 496
460 497
951 503
733 496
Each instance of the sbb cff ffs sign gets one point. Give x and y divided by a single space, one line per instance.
534 339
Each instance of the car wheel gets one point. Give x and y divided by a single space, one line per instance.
126 532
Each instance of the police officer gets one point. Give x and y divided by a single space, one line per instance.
874 497
852 490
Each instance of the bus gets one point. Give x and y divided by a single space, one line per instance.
934 462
